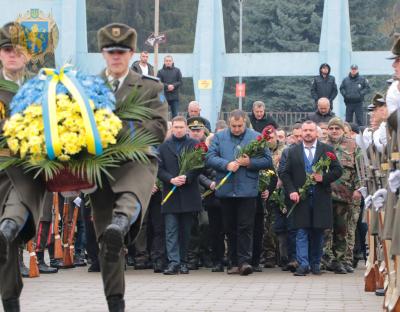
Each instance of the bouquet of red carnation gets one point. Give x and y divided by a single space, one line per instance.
190 159
256 148
322 165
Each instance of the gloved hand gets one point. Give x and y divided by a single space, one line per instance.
368 201
394 180
380 139
364 191
367 136
379 198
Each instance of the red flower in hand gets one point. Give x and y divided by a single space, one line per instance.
331 155
202 146
266 133
259 138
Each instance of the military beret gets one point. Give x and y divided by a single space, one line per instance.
336 121
116 36
396 47
196 123
8 34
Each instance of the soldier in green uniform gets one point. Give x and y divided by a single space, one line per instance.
345 196
118 208
20 196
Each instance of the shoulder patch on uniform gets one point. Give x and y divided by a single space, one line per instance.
150 77
162 97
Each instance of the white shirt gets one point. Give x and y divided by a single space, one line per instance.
393 97
145 69
121 80
313 149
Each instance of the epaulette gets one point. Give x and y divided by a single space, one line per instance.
150 77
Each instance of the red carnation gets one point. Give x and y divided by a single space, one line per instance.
266 133
202 146
331 155
259 138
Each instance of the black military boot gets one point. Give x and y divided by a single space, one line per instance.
43 267
113 237
8 232
11 305
22 268
116 304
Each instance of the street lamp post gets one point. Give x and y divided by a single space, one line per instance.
240 45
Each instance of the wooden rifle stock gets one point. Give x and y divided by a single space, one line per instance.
370 275
67 261
72 233
58 252
33 266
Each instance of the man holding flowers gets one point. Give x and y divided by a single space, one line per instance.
310 169
243 152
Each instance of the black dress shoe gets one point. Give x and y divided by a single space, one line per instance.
79 260
245 269
113 237
11 305
43 267
158 266
184 269
348 268
94 267
301 271
193 266
172 269
257 268
55 263
219 267
130 260
338 268
115 304
380 292
8 232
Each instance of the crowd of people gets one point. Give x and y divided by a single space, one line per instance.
238 213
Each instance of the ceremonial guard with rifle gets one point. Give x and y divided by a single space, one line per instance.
118 208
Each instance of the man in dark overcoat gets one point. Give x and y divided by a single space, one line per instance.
179 209
313 214
119 207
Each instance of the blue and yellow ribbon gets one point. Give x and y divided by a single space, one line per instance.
53 144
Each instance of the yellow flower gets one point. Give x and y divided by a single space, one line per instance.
13 144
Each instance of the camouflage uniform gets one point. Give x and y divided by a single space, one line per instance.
344 208
269 238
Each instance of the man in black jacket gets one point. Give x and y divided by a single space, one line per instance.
353 88
171 78
259 119
324 85
323 112
142 66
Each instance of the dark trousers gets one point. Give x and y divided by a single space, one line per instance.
309 244
258 231
174 106
216 233
238 218
92 247
157 228
177 235
357 109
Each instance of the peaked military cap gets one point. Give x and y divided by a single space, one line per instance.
395 47
377 101
8 34
116 36
196 123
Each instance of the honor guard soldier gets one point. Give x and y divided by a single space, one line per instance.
20 196
118 208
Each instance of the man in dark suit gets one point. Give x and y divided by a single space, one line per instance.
120 206
313 214
179 210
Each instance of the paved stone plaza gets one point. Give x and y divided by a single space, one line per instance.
273 290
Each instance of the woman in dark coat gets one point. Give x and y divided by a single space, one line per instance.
178 210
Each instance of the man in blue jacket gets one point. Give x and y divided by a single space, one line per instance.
238 194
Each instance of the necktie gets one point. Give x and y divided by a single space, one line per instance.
115 85
309 154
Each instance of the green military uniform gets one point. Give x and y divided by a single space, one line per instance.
345 210
130 191
269 238
20 207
